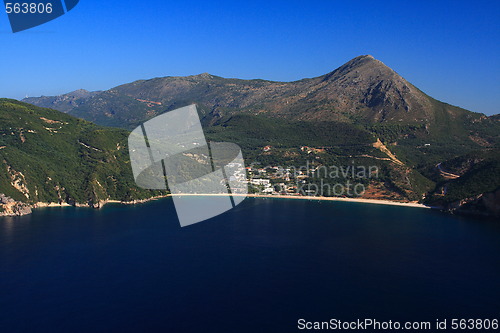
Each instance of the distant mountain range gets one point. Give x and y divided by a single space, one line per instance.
64 103
363 89
363 112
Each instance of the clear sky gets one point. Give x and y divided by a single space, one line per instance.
449 49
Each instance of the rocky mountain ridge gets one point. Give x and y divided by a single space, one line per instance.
363 89
63 103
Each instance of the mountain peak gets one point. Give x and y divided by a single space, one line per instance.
366 56
203 76
362 59
79 93
362 64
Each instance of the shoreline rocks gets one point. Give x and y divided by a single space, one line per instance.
10 207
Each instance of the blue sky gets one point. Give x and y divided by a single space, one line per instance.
449 49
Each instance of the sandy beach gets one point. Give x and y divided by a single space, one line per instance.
298 197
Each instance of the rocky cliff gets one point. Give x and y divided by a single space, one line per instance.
10 207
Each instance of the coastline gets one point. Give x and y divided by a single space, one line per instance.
359 200
18 208
102 203
300 197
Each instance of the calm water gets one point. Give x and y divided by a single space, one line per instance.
257 268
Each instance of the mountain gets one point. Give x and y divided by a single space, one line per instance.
363 112
49 157
362 89
63 103
364 92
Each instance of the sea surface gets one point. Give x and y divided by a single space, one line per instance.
257 268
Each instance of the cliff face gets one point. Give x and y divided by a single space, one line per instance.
469 184
492 202
485 204
10 207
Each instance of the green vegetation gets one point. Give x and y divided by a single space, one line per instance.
253 131
388 132
333 143
52 157
482 178
479 173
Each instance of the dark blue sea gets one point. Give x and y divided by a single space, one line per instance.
257 268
